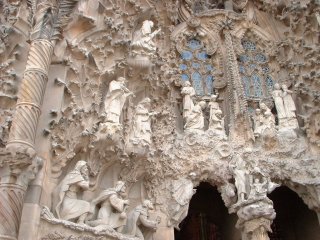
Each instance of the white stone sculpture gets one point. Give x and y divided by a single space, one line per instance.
141 132
182 191
115 99
188 92
267 120
138 218
70 207
278 101
238 169
290 108
258 121
142 43
195 119
112 211
216 121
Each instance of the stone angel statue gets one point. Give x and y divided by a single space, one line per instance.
142 42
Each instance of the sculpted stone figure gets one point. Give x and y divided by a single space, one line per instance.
143 41
115 99
278 101
182 192
257 121
188 92
264 121
142 123
112 208
70 207
195 119
139 217
240 174
216 121
289 107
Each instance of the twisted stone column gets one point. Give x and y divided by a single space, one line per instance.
11 203
16 171
32 89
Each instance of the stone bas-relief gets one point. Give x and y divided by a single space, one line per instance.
128 106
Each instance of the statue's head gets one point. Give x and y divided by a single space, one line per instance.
187 84
121 79
258 111
192 175
120 186
284 87
146 101
147 25
81 167
202 104
276 86
148 204
214 97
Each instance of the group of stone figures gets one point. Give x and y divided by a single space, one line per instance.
108 210
262 120
114 102
193 113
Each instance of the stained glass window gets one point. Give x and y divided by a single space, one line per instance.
255 72
196 67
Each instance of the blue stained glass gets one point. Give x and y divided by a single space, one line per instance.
202 56
265 69
186 55
246 84
247 45
184 77
209 84
183 67
260 58
243 58
242 69
194 44
253 66
269 82
257 85
196 65
197 83
209 68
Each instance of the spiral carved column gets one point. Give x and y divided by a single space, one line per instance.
31 94
12 197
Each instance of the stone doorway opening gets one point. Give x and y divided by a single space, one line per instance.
294 220
208 218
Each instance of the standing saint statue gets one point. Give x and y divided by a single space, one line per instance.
188 92
112 208
240 173
278 101
195 119
70 207
115 99
142 123
290 107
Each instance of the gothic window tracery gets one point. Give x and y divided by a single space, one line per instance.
255 72
197 68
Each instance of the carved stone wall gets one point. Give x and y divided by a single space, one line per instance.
137 107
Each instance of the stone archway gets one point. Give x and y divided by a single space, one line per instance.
294 219
208 218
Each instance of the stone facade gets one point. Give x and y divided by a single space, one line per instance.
114 111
